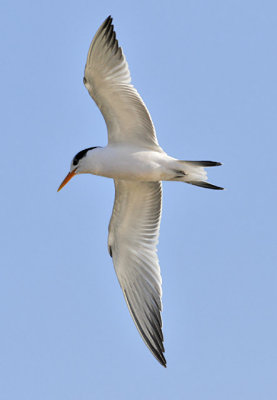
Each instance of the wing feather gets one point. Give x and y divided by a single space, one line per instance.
108 80
133 237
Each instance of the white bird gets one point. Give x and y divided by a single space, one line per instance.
136 162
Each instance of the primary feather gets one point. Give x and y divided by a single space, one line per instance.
108 80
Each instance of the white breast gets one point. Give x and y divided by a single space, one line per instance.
129 163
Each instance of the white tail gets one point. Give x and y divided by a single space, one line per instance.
193 172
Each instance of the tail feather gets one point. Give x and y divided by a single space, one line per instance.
202 163
206 185
195 174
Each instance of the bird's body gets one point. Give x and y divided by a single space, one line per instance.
136 162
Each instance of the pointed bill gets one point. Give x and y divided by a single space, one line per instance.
67 179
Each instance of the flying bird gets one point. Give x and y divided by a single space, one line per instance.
137 164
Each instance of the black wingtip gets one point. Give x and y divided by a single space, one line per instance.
161 360
163 363
156 351
108 21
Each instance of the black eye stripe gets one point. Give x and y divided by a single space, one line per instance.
81 155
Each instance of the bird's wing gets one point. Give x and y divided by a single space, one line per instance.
107 78
133 237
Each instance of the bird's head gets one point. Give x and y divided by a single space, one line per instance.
79 165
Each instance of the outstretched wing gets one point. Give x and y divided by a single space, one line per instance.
107 78
133 237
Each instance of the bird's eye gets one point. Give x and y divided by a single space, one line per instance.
75 161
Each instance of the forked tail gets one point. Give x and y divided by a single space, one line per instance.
193 172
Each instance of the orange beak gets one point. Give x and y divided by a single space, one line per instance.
67 179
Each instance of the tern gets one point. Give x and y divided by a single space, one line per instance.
137 164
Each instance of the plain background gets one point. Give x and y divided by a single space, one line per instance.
207 72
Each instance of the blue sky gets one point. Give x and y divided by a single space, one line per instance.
207 72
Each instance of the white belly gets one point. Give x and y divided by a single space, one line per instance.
129 163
